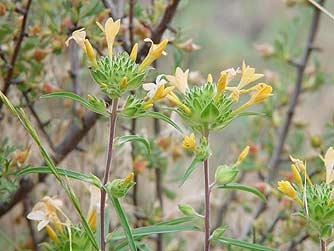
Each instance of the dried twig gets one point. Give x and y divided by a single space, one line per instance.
9 75
159 30
295 243
131 5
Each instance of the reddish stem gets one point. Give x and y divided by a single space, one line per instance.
113 117
323 245
207 200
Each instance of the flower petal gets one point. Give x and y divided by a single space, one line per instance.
36 215
42 224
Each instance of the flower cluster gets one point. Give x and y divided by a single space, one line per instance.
117 73
210 106
315 200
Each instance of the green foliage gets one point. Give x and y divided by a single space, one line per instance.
133 138
236 186
94 104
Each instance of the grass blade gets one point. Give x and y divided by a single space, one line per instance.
243 244
124 223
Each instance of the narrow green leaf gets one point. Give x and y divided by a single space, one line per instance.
128 138
70 95
189 170
243 244
162 117
61 171
124 222
236 186
155 229
176 221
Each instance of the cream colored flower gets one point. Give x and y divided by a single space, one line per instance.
45 212
110 30
248 75
329 164
79 37
179 80
188 46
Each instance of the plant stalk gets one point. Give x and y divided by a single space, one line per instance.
207 200
323 245
113 118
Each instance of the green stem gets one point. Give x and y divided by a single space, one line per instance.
113 118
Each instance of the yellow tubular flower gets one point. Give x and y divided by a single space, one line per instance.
154 53
296 176
209 78
51 233
180 80
134 52
148 106
189 142
263 92
110 30
90 52
129 178
261 95
221 85
222 81
174 99
242 155
248 75
124 82
301 167
286 188
91 218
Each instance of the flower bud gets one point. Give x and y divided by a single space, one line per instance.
316 141
218 233
40 54
186 209
120 187
225 174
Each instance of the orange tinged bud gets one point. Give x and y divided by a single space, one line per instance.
40 54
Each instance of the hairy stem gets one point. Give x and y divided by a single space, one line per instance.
207 200
113 117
